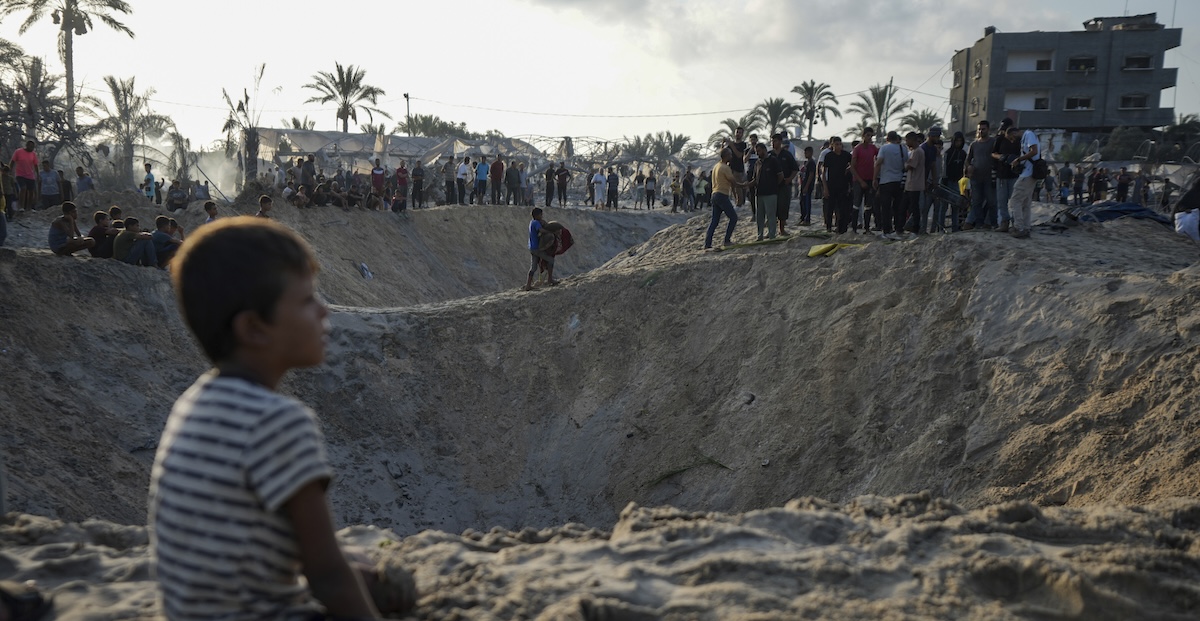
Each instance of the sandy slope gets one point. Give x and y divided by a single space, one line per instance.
906 557
1055 370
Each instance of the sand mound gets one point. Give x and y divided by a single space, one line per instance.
998 374
424 256
906 557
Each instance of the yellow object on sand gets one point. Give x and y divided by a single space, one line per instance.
827 250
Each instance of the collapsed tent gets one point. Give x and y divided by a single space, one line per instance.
1111 210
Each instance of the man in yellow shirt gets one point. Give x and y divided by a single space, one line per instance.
724 180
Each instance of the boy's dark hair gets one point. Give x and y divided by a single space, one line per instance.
264 199
68 207
114 211
162 222
234 265
130 221
536 213
208 204
98 216
118 224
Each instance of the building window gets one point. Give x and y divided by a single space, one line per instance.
974 106
1135 101
1141 61
977 71
1043 65
1078 103
1082 63
957 78
1041 103
953 112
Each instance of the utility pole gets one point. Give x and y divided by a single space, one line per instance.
407 115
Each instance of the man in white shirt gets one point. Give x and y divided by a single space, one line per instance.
601 183
1022 197
464 173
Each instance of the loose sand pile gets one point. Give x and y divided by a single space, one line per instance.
907 557
1058 370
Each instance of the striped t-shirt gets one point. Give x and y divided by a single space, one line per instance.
233 453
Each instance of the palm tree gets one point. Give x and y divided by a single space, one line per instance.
750 123
182 158
244 118
346 88
1184 132
295 123
375 129
663 145
863 124
73 17
777 113
817 101
920 120
879 105
1073 152
129 121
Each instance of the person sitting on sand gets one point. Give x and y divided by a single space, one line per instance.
134 246
177 197
105 234
210 208
301 198
541 248
65 238
288 191
240 475
265 204
354 196
165 241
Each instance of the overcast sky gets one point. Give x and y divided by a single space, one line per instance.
525 66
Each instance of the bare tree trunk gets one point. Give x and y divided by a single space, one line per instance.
250 135
68 25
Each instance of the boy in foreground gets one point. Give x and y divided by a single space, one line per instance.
238 505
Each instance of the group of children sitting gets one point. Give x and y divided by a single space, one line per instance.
330 193
122 239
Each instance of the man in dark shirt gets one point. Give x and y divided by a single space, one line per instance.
418 185
550 184
979 170
768 176
789 167
808 182
1004 151
836 186
737 164
562 177
613 180
104 234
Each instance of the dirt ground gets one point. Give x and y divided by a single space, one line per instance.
1057 370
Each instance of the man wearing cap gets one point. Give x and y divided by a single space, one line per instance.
862 167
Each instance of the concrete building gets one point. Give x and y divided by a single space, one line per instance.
1108 75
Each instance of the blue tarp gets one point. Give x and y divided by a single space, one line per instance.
1111 210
